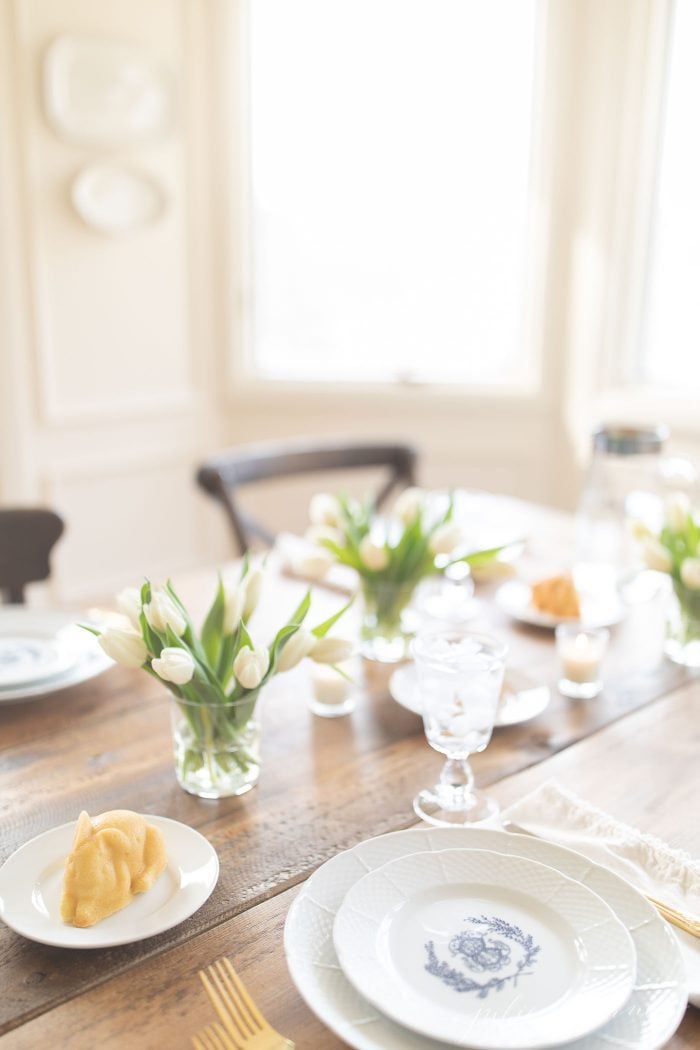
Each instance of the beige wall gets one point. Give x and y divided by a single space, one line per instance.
123 359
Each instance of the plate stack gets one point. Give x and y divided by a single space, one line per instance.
480 938
42 651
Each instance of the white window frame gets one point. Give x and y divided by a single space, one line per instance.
246 382
601 70
620 395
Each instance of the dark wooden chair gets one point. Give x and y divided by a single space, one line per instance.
26 539
223 475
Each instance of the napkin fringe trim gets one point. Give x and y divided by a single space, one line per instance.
661 861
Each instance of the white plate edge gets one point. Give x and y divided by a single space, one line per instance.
354 1030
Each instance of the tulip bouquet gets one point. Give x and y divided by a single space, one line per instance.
391 554
675 550
215 675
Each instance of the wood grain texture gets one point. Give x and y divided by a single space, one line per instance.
325 785
160 1000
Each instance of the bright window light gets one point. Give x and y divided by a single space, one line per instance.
670 353
391 146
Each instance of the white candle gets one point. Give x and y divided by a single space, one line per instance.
580 658
581 651
329 687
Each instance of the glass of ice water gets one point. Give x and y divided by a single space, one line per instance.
460 674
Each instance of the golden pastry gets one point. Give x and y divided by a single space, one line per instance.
112 858
557 596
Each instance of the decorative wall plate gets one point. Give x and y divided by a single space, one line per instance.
104 92
114 199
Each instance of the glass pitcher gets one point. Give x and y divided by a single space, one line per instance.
624 483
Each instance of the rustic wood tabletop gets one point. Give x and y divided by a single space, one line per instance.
325 785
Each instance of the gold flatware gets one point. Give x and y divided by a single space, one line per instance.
677 918
212 1037
245 1027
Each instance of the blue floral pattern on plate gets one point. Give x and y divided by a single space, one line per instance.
481 953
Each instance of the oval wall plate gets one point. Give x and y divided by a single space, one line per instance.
115 199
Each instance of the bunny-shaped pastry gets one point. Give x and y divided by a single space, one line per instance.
112 858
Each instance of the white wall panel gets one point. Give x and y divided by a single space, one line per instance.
111 313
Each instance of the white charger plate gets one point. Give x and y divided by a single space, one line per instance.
515 598
521 698
81 656
646 1022
31 882
483 950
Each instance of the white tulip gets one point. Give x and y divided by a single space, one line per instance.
124 645
314 566
162 612
295 649
252 587
331 650
677 511
690 573
316 534
638 530
409 504
129 604
375 557
251 665
445 538
655 555
174 665
324 509
234 604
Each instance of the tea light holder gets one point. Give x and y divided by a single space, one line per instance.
581 651
332 695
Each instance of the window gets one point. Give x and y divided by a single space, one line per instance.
669 354
391 151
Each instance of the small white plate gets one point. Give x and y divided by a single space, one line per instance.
521 698
646 1022
483 950
515 598
31 882
81 656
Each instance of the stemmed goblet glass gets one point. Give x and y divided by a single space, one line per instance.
460 674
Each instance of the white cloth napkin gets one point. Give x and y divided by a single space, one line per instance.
552 812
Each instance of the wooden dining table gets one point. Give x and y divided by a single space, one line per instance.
325 785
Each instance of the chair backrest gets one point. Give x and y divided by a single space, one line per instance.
222 475
26 538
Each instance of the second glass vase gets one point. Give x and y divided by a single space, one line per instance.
386 624
683 626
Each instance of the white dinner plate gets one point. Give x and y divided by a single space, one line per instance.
521 697
482 950
646 1022
515 598
26 659
31 882
79 656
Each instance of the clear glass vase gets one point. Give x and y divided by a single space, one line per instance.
683 626
216 746
386 622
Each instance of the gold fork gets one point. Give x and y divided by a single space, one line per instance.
245 1027
678 918
212 1037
